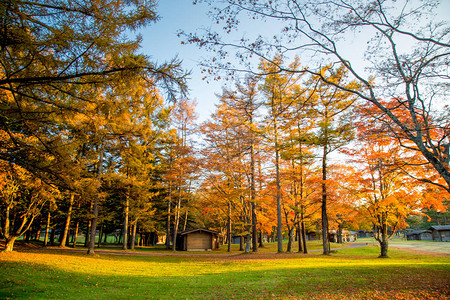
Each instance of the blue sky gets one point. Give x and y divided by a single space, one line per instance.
161 43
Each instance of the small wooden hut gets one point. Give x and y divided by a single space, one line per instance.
441 233
198 240
419 235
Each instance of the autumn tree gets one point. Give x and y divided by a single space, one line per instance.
230 171
342 212
183 165
404 47
215 206
298 125
279 94
136 127
46 59
390 184
67 221
334 129
53 69
384 191
243 104
22 197
299 177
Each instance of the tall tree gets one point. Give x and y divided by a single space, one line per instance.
184 165
334 128
298 123
226 152
244 104
53 69
384 191
390 177
279 92
133 130
22 197
47 58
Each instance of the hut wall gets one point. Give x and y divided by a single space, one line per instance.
198 241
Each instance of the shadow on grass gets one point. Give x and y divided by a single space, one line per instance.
159 278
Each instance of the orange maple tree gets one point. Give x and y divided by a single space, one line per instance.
389 180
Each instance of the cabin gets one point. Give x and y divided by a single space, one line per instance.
198 240
314 235
364 233
347 236
419 235
352 236
440 233
333 236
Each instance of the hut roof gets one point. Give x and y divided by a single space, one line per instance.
199 230
440 227
417 232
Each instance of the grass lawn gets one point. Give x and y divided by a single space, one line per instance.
268 248
348 274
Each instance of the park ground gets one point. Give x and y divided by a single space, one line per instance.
414 270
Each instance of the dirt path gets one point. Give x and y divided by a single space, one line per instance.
441 248
350 246
187 254
428 247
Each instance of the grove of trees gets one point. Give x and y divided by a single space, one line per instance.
96 139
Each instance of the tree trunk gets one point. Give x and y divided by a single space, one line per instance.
133 235
52 237
261 244
177 220
62 244
130 230
91 249
100 234
249 242
27 236
229 227
93 232
384 237
290 239
254 228
241 243
87 234
38 232
279 224
325 240
9 244
125 223
384 249
169 203
47 229
305 249
185 220
278 184
253 195
261 233
299 237
75 234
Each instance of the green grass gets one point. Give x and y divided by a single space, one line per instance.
349 274
267 248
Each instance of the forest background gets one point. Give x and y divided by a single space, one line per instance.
97 138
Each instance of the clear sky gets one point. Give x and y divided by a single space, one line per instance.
160 41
